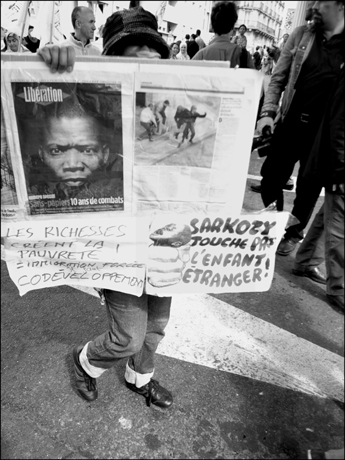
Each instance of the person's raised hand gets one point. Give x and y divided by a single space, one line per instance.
58 58
264 124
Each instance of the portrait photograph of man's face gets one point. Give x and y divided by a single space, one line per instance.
71 146
73 150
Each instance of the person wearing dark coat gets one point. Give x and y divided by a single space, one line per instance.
192 46
325 238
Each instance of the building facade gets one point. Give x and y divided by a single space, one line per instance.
264 22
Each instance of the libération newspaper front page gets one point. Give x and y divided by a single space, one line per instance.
130 175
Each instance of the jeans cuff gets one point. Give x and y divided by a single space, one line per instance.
135 378
93 371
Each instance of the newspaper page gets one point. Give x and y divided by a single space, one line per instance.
9 195
131 176
69 138
193 137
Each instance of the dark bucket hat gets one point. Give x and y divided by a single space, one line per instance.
132 27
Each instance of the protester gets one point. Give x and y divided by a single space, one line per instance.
192 46
257 58
136 323
30 41
174 50
199 40
148 121
99 39
306 71
285 38
325 238
12 42
83 22
267 62
240 39
182 55
223 18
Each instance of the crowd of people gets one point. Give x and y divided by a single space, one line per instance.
303 107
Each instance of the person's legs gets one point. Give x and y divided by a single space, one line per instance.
334 243
307 194
311 253
142 363
127 317
136 326
159 119
140 367
148 128
279 164
192 130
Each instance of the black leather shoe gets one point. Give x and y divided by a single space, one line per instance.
286 246
154 394
85 385
311 272
336 300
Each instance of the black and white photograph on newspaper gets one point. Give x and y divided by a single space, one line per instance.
175 130
70 137
8 188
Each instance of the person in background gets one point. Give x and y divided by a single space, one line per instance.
308 16
199 40
192 46
83 22
182 55
99 39
30 41
257 58
283 43
174 50
12 41
136 324
325 238
223 18
240 39
267 62
305 74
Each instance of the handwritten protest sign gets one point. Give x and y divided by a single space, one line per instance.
87 154
110 254
221 253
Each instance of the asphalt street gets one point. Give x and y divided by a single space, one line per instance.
253 375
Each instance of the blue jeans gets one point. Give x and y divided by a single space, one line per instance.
136 326
325 242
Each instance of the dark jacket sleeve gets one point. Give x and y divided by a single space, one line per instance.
326 159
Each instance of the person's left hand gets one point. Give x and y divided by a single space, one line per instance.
58 58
